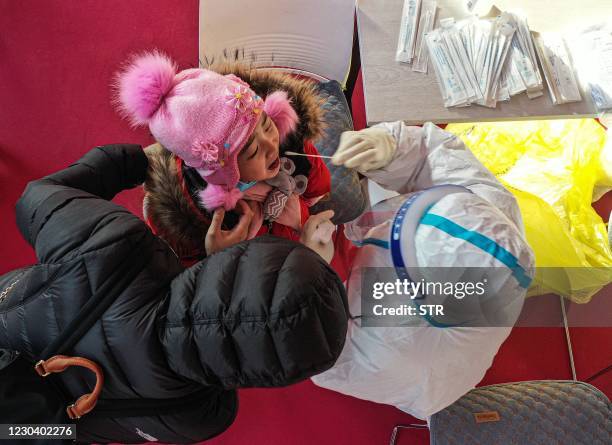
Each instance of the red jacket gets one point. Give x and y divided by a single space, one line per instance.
319 183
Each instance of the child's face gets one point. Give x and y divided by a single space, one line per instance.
259 159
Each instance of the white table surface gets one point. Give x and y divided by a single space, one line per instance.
394 92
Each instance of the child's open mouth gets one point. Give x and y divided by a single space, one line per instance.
274 164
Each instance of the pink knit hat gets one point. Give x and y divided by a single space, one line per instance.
201 116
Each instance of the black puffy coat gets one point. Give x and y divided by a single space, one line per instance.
268 312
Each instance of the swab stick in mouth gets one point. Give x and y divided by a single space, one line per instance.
293 153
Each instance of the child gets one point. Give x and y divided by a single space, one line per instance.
227 140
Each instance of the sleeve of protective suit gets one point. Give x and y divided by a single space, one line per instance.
428 156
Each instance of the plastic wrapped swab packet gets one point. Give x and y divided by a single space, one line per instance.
558 68
460 56
408 30
426 24
505 29
522 71
451 87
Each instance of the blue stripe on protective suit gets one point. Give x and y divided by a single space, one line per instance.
398 260
372 241
480 241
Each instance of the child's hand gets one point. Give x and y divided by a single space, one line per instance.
316 239
217 239
368 149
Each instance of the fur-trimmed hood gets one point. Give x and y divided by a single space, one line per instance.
167 206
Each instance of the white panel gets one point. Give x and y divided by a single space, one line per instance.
315 36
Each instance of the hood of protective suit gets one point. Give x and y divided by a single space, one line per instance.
448 235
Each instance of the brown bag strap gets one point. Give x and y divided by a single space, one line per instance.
59 363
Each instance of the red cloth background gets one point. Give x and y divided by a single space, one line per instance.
57 58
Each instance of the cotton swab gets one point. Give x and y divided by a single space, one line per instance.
293 153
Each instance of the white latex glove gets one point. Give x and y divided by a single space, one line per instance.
314 234
368 149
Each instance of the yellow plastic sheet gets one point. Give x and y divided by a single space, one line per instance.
552 168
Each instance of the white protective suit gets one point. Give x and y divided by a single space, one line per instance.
422 369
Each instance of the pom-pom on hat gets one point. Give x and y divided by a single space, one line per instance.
201 116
